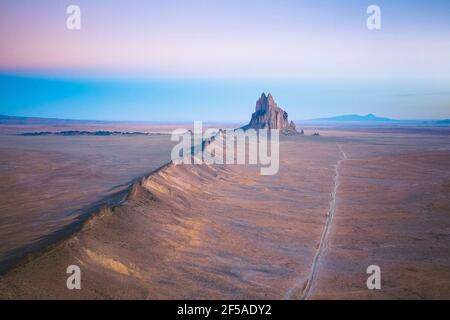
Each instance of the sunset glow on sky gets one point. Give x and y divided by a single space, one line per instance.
202 55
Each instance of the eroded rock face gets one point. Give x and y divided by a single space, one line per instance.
268 115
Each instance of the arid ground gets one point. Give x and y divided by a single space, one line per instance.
341 201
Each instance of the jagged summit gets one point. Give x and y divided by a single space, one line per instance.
268 115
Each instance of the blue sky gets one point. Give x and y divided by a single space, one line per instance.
210 60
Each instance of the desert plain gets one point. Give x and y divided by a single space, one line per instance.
141 229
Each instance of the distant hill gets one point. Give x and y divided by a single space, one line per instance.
355 117
373 118
41 121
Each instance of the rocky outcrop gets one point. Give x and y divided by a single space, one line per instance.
268 115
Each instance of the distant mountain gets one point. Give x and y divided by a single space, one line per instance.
373 118
41 121
356 117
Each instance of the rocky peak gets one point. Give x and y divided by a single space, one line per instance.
268 115
265 103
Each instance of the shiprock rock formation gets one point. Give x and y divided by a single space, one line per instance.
268 115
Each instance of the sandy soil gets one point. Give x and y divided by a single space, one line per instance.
49 183
339 204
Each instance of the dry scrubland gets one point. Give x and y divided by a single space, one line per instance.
340 202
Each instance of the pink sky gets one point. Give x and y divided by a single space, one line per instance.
279 39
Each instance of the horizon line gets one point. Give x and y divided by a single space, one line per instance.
328 119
